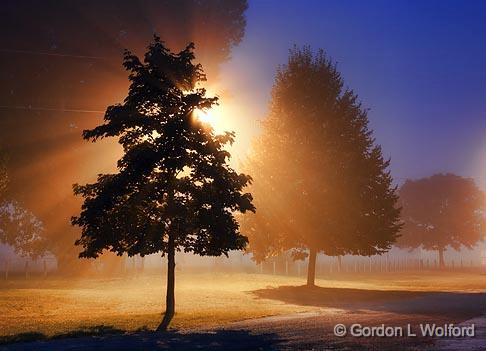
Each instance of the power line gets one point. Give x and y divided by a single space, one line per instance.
6 107
12 51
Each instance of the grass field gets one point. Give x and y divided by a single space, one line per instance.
204 300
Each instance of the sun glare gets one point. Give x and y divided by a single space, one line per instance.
207 117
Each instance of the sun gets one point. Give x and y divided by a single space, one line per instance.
207 117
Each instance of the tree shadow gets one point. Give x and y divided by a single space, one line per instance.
115 339
450 304
97 330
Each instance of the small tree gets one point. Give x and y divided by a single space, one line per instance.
321 182
19 227
174 189
440 211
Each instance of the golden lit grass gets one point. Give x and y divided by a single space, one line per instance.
203 300
420 281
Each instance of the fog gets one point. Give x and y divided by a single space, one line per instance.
58 80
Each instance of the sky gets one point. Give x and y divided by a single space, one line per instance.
417 65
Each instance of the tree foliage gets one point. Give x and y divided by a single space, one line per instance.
174 189
19 227
440 211
67 56
321 182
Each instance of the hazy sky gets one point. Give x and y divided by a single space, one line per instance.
418 65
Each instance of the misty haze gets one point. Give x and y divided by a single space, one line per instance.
242 175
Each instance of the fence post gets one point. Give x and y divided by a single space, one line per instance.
7 268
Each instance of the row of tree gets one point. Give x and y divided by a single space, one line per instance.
321 182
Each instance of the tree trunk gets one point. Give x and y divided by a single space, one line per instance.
441 258
170 298
311 269
340 264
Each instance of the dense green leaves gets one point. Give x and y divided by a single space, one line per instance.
320 180
174 178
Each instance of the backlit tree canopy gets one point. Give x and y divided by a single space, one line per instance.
321 183
61 56
440 211
174 189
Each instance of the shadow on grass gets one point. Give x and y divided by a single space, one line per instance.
109 338
457 305
97 330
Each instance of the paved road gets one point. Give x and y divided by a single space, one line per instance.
313 330
459 344
307 331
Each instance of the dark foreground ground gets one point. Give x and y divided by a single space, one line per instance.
312 330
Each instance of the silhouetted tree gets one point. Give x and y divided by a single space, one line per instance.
440 211
174 189
65 55
321 183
